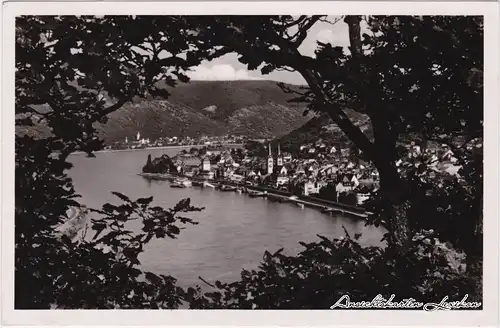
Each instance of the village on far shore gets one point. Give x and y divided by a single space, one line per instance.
317 169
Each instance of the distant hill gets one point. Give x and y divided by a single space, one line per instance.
258 109
158 118
230 96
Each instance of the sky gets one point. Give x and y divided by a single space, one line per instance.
228 67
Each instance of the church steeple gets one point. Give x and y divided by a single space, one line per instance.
270 161
279 160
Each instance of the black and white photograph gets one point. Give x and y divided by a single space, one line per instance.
250 162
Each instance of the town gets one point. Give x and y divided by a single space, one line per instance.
317 170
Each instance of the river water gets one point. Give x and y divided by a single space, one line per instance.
233 232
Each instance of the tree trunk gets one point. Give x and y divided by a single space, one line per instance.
392 187
354 34
383 153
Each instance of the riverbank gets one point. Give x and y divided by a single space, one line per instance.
327 207
154 148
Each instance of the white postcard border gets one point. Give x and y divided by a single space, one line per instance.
488 316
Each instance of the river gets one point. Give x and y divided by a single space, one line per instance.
233 232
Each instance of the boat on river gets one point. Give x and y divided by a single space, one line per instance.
181 183
208 184
227 188
255 193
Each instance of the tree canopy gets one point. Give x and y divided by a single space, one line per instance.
72 71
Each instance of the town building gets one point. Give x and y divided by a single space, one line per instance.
347 182
279 159
270 162
287 158
313 187
205 164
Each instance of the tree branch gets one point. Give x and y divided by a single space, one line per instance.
302 33
114 107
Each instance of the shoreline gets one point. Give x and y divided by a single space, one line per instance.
329 207
151 148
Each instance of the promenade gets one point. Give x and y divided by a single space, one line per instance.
325 206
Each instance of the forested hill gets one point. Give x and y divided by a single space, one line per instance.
255 108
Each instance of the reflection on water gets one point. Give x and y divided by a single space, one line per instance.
233 231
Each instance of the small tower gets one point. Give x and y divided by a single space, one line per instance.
270 162
279 160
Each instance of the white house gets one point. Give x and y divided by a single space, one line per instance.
347 183
283 171
205 164
313 187
362 198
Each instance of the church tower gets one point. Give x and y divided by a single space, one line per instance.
270 162
279 160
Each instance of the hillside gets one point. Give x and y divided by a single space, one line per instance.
158 118
220 99
322 127
257 109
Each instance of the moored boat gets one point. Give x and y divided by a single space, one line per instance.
182 183
207 184
254 193
177 185
227 188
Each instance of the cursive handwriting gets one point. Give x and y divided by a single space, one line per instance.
455 305
379 302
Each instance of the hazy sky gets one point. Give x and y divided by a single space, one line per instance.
228 67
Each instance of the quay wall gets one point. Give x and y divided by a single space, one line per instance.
318 202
